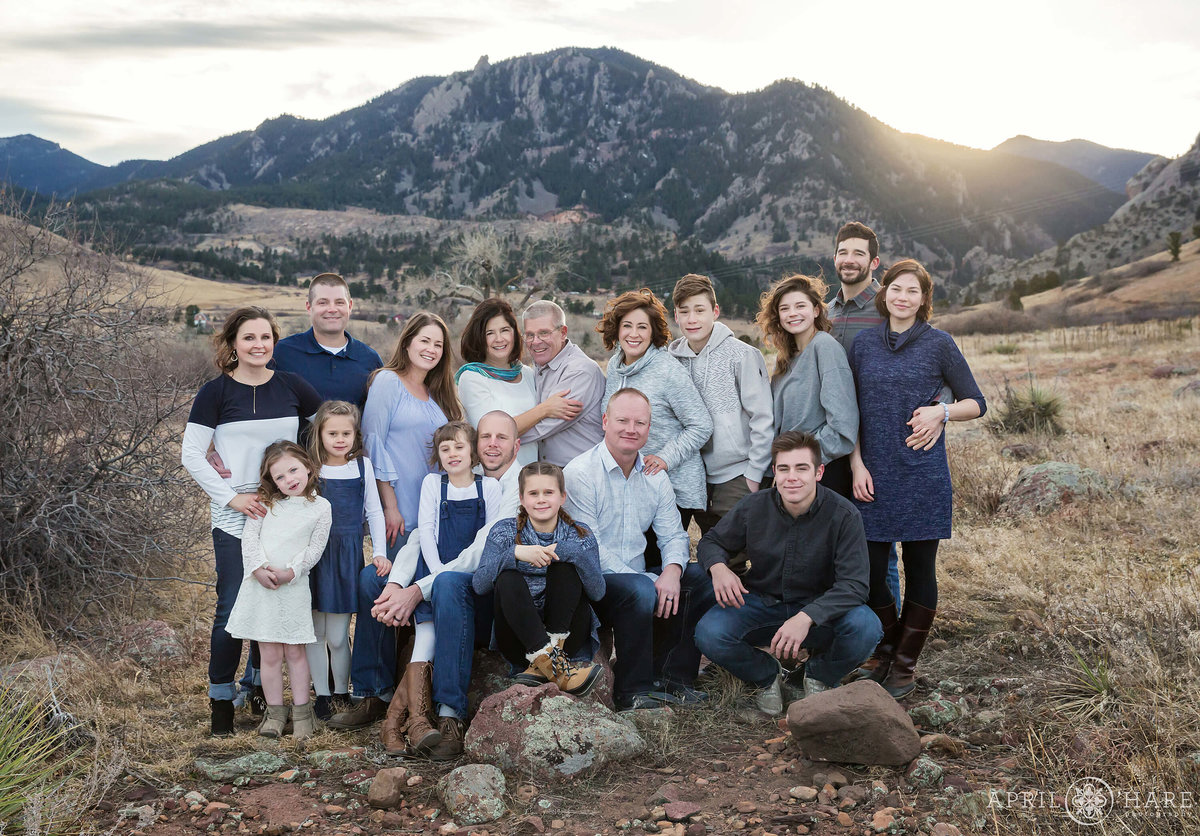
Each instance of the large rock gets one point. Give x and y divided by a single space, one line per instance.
255 763
857 723
1044 487
152 643
473 794
548 734
35 673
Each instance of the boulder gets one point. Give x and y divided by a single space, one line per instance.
473 794
545 733
856 723
152 643
1191 389
1044 487
255 763
37 672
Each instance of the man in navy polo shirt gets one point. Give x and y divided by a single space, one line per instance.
332 361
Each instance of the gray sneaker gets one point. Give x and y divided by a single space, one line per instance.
814 686
769 700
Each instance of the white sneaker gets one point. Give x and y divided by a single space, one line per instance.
770 699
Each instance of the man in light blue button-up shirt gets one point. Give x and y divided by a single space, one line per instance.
609 491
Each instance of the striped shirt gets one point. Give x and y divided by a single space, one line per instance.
852 318
241 421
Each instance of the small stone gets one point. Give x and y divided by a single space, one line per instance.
696 829
414 780
945 829
701 782
719 766
943 743
881 821
557 824
837 779
215 806
682 810
845 820
526 792
805 794
924 772
448 828
746 806
658 812
387 788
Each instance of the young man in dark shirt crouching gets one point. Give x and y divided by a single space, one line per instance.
806 586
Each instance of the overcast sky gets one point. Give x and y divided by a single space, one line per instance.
122 79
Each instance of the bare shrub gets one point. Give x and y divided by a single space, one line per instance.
91 398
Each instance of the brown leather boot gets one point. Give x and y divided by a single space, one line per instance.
877 667
914 629
422 736
452 730
391 735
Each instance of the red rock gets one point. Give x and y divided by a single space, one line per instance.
387 788
845 820
856 723
681 810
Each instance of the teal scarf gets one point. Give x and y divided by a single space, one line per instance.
507 375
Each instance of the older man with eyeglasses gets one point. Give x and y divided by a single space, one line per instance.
569 384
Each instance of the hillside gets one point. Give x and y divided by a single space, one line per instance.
769 174
1110 167
1164 197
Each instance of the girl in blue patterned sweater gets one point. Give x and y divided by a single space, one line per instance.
543 568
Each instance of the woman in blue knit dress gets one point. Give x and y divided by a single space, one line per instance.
901 477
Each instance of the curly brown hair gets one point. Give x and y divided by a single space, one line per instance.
224 340
268 491
768 315
907 265
625 304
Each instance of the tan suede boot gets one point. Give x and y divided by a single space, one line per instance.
392 734
273 721
422 736
304 723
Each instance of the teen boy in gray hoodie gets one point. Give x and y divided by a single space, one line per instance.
732 379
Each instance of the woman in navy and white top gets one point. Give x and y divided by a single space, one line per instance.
240 413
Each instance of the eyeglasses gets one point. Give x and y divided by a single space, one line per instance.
542 336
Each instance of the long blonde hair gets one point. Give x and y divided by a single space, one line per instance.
439 379
334 409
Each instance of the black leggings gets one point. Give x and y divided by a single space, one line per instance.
521 630
920 573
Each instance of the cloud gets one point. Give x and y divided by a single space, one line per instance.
168 35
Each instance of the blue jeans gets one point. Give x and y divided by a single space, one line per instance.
731 638
224 651
893 577
672 656
461 618
373 655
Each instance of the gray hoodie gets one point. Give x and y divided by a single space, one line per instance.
817 396
732 379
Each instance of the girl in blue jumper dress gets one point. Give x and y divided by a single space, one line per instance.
454 505
542 614
348 482
901 483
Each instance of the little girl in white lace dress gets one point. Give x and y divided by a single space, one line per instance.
274 603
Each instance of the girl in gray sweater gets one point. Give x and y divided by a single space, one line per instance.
812 386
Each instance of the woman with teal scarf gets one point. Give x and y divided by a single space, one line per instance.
492 376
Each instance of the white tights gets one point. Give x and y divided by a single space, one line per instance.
423 642
333 631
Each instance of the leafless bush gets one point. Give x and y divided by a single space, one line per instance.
91 399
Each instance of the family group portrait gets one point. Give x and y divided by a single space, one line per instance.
590 442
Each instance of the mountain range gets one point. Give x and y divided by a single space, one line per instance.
769 174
